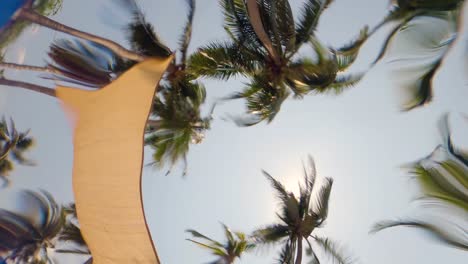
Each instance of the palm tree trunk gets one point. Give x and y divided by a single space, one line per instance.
256 21
28 86
15 66
299 251
32 16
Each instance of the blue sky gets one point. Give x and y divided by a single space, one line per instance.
361 138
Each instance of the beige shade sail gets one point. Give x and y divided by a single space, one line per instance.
108 138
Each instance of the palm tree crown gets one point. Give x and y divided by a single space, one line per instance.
13 145
27 236
263 46
237 244
299 217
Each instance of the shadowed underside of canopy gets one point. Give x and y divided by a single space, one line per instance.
109 128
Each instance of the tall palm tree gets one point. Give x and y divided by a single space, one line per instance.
175 120
263 46
431 27
299 217
13 146
27 236
443 178
236 245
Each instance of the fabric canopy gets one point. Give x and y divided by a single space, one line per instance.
109 129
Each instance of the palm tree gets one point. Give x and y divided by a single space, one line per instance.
443 178
263 46
432 26
237 244
299 217
175 120
13 146
27 236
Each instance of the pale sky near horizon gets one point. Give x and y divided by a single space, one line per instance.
360 138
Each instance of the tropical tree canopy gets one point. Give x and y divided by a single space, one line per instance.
13 146
236 245
175 120
299 217
263 46
443 178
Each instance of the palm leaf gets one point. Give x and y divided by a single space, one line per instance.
308 22
271 234
347 54
342 82
187 31
81 62
435 230
322 200
222 61
334 250
287 253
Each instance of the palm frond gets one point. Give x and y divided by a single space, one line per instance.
184 40
334 250
287 253
271 234
347 54
435 230
308 22
281 192
13 145
322 200
310 175
237 244
81 62
342 82
197 234
238 26
222 61
141 34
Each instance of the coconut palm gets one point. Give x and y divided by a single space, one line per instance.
430 28
13 146
264 45
236 245
38 228
443 178
299 217
175 120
